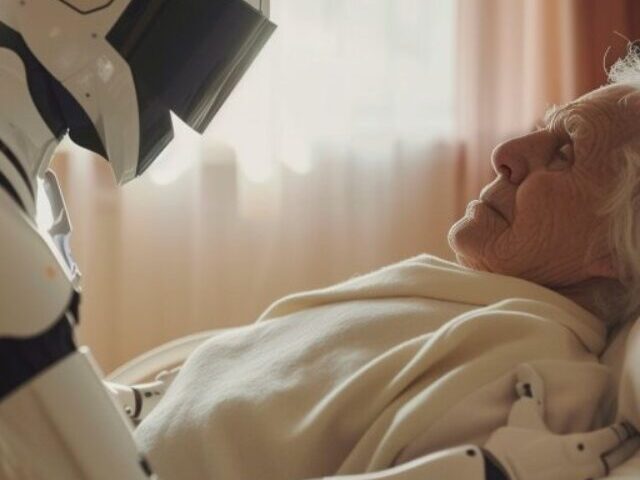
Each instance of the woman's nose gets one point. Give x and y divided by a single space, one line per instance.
509 159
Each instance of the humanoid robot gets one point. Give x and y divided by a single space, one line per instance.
108 73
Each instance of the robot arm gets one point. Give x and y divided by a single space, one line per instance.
57 421
529 451
525 449
555 460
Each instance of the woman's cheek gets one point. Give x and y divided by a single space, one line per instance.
534 199
547 194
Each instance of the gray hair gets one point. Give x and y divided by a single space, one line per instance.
623 205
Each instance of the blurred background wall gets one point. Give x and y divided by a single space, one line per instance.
354 141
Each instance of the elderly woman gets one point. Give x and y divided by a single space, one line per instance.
424 355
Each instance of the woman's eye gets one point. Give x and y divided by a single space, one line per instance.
562 157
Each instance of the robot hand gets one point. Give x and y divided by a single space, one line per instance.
138 400
529 451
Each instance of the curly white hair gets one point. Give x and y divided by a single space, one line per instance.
623 205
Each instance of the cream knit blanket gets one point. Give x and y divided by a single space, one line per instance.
373 372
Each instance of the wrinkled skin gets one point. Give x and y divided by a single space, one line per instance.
539 219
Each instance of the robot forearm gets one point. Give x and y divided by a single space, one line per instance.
63 425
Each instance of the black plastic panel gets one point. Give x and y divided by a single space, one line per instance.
58 108
38 79
22 359
81 129
8 153
185 56
9 189
492 468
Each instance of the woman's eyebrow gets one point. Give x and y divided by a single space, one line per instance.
554 114
559 115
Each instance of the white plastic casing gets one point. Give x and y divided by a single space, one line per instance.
52 430
75 51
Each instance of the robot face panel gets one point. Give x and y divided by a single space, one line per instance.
186 60
87 6
121 66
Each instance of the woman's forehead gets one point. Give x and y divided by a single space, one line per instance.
611 113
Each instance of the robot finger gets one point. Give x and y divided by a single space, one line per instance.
622 453
604 441
167 376
526 413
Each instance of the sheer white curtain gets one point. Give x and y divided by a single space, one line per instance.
357 76
332 157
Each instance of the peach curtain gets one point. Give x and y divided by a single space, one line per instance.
518 57
212 250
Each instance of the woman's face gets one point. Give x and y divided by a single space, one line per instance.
539 220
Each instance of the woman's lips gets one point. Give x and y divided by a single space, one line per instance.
491 206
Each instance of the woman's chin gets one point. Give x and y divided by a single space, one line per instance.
464 236
468 243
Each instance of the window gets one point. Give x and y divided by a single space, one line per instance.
353 76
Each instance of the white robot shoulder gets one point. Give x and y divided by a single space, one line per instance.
35 285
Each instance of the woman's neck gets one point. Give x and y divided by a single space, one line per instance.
603 297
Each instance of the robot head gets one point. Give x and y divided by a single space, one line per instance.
119 67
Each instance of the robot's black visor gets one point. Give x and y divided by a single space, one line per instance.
185 56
